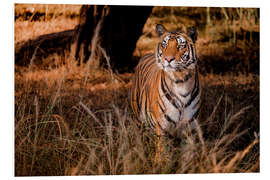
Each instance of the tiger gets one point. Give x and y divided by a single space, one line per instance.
165 90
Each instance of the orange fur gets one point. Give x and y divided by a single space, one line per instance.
155 89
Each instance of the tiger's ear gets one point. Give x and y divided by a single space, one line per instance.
192 33
160 29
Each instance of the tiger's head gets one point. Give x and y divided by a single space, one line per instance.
176 51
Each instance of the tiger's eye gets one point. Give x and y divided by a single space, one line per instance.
181 43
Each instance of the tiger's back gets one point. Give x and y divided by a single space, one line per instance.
165 89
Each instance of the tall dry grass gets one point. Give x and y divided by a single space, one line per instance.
51 139
74 120
43 19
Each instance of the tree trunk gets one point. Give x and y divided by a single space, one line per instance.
120 30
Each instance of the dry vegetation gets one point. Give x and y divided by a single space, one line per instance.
72 120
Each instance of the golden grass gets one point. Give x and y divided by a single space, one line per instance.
83 128
25 30
54 9
72 120
28 29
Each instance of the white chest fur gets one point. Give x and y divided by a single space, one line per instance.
181 110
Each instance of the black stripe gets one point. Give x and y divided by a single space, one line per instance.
168 96
138 95
150 120
149 116
185 95
196 104
165 91
145 67
195 92
191 61
168 118
160 99
145 106
193 96
157 55
147 56
192 51
196 113
146 70
163 111
160 126
145 64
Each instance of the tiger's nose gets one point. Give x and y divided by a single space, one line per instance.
169 58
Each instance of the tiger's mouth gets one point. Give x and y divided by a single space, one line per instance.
170 67
176 65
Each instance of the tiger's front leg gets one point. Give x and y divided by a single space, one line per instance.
161 155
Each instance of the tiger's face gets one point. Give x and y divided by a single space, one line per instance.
175 51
